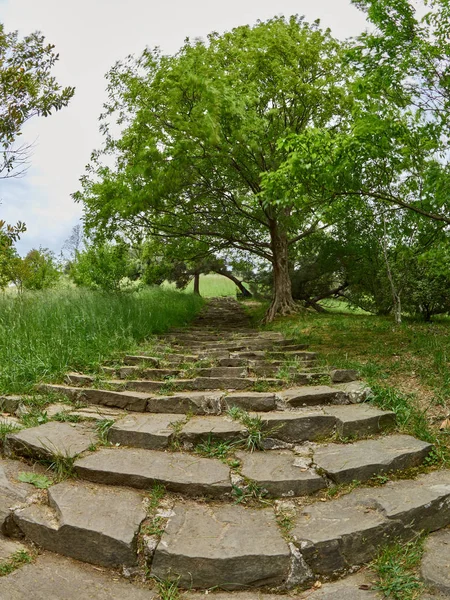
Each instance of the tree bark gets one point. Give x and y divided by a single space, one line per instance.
244 291
197 283
282 301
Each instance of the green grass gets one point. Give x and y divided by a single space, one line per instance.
45 334
212 286
18 559
397 569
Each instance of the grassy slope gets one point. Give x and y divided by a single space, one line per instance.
45 334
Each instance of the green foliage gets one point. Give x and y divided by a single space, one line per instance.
37 271
40 481
101 266
103 428
397 568
45 334
7 428
17 560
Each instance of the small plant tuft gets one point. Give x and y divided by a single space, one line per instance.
40 481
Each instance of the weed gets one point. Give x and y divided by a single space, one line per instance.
396 566
168 589
341 489
63 466
286 523
212 448
65 417
256 430
156 526
103 428
154 497
16 560
250 491
7 428
34 417
40 481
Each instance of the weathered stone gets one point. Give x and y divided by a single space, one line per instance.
224 546
10 404
362 460
79 379
130 359
360 420
8 548
188 474
8 421
355 391
197 403
153 431
280 473
87 522
222 372
152 374
251 401
57 408
99 413
134 401
53 577
51 439
335 536
298 426
311 396
343 375
200 429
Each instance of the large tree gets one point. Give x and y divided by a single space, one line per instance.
198 131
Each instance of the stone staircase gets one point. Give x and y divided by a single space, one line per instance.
214 460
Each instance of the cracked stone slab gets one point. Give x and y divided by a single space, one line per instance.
152 431
197 403
360 419
51 439
200 429
280 473
87 522
227 546
360 461
257 401
298 426
53 577
139 468
435 567
312 396
134 401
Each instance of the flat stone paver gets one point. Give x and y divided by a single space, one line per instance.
88 522
362 460
227 546
197 403
152 431
299 426
184 473
134 401
435 567
53 577
219 428
280 473
360 419
52 439
251 401
99 413
311 396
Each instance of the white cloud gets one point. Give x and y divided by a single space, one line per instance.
90 35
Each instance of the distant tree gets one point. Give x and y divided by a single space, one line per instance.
101 266
37 271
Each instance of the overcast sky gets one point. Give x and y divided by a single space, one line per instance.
90 35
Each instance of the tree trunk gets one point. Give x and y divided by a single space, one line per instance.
282 301
197 283
244 291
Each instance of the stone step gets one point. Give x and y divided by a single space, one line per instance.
204 383
157 431
51 439
91 523
233 547
229 547
188 474
312 396
434 568
133 401
269 370
133 371
140 359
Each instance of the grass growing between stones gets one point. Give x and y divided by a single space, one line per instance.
15 561
397 569
45 334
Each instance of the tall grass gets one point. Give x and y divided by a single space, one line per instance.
44 334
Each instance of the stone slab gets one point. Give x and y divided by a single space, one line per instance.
131 359
8 547
355 391
197 403
96 412
280 473
51 439
360 461
227 546
435 567
10 404
152 431
312 396
298 426
139 468
251 401
134 401
87 522
220 428
360 419
344 375
53 577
